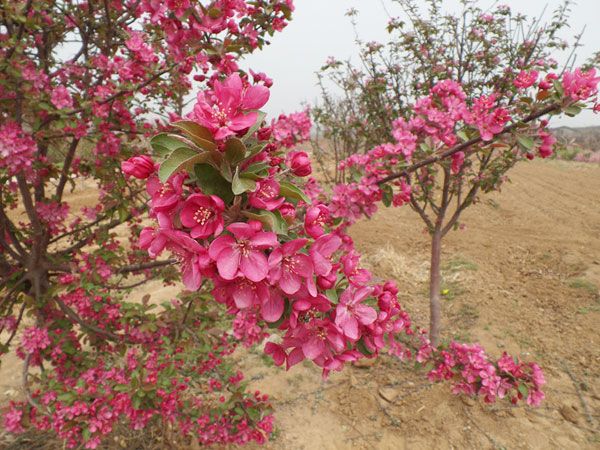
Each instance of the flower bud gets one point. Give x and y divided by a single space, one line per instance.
140 167
299 163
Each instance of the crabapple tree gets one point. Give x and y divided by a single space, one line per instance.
443 83
82 85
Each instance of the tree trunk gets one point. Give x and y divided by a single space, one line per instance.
435 284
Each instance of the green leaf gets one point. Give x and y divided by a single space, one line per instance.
462 134
255 150
136 402
523 390
256 171
256 126
572 110
199 135
235 150
180 158
425 147
558 87
212 182
241 184
163 144
271 220
388 195
332 295
525 142
289 191
254 414
66 397
360 345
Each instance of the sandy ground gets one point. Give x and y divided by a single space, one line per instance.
522 276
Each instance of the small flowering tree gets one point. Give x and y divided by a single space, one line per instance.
83 84
469 87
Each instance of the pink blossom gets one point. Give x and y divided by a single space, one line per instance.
156 240
579 85
457 161
319 336
526 79
321 252
546 148
315 220
35 339
203 214
288 267
165 196
535 397
266 196
230 107
350 312
13 418
276 352
241 252
16 148
61 98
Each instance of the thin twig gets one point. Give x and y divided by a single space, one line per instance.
144 266
25 384
584 404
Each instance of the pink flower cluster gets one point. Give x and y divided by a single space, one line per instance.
304 280
435 126
230 107
35 339
479 376
92 403
292 129
16 148
53 215
580 85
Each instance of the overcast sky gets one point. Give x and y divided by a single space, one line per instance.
320 29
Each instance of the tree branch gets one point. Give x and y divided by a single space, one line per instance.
64 175
465 145
144 266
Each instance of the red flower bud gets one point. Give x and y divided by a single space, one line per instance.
140 167
299 162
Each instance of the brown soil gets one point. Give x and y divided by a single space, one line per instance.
522 277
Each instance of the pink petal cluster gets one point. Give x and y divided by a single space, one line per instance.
35 339
526 79
203 215
16 148
299 163
61 98
580 85
292 129
230 108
